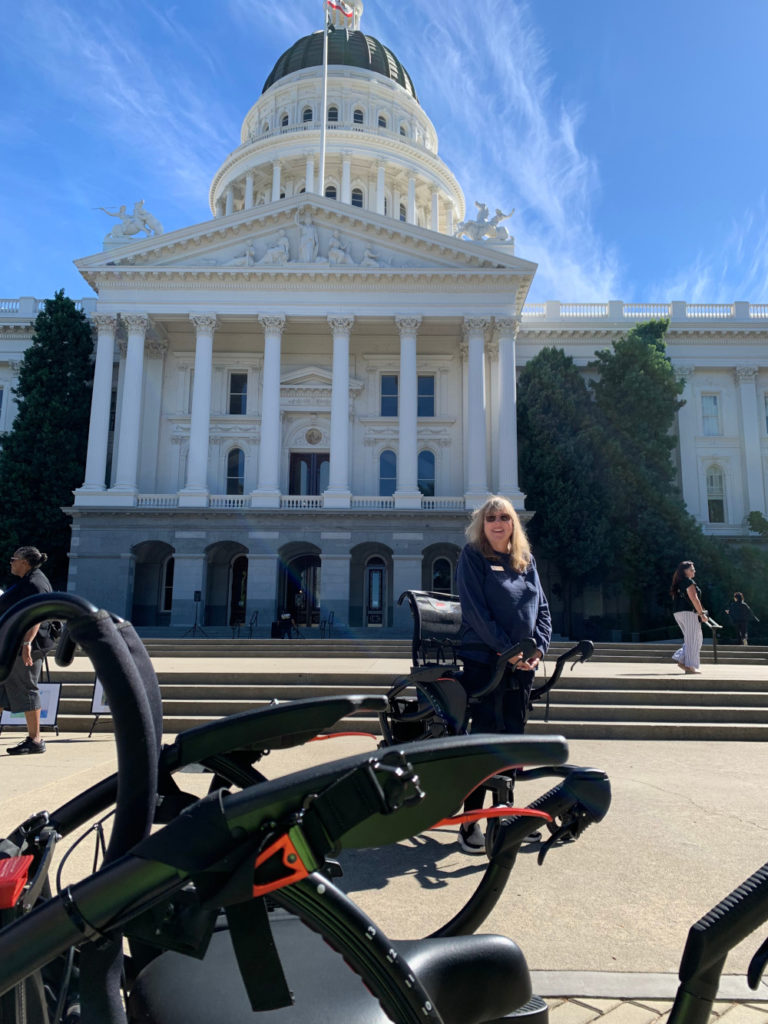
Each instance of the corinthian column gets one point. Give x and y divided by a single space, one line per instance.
338 495
407 494
130 407
268 493
476 485
506 442
750 430
195 493
98 431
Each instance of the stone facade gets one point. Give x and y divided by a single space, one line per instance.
296 402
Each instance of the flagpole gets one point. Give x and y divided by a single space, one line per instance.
324 104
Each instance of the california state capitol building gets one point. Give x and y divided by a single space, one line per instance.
297 402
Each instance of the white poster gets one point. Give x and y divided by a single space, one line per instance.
99 703
49 707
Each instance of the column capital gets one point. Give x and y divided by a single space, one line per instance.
272 323
506 325
476 323
105 321
135 321
408 323
341 322
204 321
745 373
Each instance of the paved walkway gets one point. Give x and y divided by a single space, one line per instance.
602 922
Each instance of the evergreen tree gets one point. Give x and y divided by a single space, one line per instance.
557 461
42 459
637 395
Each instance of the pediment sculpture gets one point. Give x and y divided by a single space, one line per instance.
132 223
483 228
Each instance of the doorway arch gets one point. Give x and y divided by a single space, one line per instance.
299 585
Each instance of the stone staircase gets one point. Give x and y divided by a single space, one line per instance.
201 681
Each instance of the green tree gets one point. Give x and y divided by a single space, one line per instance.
43 455
558 471
637 396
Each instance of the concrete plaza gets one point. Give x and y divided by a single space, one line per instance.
602 922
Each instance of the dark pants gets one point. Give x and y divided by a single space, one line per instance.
504 709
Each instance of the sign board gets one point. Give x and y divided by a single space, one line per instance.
99 702
49 708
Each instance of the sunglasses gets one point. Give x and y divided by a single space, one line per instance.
503 518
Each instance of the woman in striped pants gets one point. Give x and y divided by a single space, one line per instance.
689 614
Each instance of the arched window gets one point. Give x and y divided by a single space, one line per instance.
333 114
402 211
306 114
357 197
382 121
387 473
715 495
426 473
235 471
442 576
357 116
284 121
330 191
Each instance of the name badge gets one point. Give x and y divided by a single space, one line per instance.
498 568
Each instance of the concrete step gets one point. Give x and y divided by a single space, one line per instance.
401 648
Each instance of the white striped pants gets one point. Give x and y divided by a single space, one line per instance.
690 653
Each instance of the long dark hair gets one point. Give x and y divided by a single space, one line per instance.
679 577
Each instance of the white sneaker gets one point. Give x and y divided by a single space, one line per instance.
471 838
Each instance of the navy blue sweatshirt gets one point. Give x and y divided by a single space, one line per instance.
499 606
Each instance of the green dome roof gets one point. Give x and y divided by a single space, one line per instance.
353 49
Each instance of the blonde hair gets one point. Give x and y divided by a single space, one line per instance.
519 549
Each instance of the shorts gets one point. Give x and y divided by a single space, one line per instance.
19 691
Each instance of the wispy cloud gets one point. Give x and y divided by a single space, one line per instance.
508 139
735 270
151 111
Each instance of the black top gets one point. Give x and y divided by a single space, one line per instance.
35 582
680 600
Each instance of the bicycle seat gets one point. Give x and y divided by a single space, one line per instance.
470 979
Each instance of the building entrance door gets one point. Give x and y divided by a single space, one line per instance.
375 577
302 590
237 590
309 472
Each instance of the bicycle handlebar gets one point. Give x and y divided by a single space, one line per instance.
525 648
583 650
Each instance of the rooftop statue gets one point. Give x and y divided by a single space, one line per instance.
132 223
481 228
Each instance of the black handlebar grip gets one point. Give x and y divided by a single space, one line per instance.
726 925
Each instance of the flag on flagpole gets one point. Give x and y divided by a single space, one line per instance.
341 6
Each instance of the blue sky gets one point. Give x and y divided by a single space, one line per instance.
629 137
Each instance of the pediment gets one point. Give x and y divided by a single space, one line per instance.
313 378
302 236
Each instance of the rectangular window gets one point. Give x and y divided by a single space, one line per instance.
710 415
238 394
715 495
389 394
426 386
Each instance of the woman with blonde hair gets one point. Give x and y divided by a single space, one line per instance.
502 603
